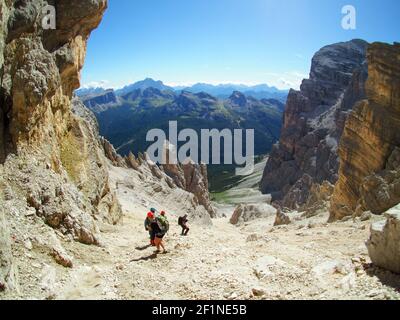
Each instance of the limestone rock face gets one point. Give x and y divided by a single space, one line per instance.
112 154
319 199
40 69
247 212
151 187
313 123
369 175
383 245
51 160
194 179
189 177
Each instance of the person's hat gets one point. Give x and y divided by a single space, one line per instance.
150 215
153 210
163 213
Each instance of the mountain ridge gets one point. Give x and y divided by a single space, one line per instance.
126 122
223 91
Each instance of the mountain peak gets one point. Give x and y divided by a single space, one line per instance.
151 80
143 85
238 98
342 57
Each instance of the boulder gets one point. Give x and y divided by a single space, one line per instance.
366 216
248 212
282 219
383 244
258 292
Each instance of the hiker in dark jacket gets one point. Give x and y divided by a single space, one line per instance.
160 231
183 222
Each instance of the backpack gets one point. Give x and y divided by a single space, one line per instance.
180 221
147 224
164 224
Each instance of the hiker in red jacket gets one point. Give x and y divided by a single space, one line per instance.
147 224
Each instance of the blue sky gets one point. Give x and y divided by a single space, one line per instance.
183 42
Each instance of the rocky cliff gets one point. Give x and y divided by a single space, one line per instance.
313 123
369 175
100 102
52 163
194 179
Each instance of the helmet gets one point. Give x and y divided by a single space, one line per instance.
153 210
163 213
150 215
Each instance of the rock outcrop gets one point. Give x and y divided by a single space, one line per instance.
190 177
313 123
112 154
194 179
369 175
101 100
383 245
247 212
318 200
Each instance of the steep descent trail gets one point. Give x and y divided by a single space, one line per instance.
306 260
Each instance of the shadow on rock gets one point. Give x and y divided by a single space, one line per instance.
143 248
387 278
150 257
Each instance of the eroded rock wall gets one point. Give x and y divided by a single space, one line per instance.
190 177
194 179
313 123
369 175
52 162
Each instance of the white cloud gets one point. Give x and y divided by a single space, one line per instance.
286 80
299 56
281 80
97 84
179 84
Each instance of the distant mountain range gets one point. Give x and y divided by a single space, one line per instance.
125 119
129 117
222 91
